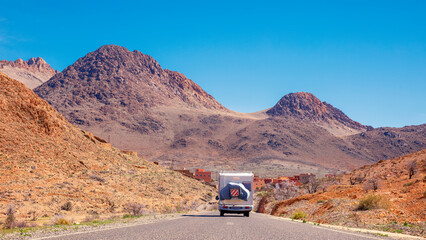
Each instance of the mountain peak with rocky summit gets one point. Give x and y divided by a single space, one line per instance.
113 80
32 73
306 106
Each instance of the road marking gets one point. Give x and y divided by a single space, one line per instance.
229 223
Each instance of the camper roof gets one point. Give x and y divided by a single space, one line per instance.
236 174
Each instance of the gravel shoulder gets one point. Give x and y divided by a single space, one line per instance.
47 232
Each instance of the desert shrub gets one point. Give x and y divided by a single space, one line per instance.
97 178
313 185
62 221
10 219
22 224
412 168
135 209
371 184
408 184
67 206
371 202
356 179
298 215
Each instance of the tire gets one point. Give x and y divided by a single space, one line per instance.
247 214
222 213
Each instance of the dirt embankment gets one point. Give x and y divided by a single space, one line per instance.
398 198
49 167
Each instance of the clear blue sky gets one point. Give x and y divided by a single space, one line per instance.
368 58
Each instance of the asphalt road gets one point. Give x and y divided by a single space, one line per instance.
212 226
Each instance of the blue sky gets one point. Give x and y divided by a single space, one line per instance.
367 58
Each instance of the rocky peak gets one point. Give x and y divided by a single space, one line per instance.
303 105
306 106
33 64
114 72
113 81
32 73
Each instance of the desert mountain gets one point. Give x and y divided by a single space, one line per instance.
307 107
32 73
46 162
127 98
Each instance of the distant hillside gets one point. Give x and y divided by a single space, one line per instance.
46 162
32 73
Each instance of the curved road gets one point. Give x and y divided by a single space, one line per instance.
211 226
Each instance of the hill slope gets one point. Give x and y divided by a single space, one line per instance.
45 162
401 199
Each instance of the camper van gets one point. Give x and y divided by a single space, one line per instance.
235 193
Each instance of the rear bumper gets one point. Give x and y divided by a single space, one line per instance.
235 209
232 211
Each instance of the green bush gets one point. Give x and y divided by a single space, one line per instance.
298 215
370 202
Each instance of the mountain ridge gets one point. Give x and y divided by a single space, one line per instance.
127 97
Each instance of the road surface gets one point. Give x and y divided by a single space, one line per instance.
211 226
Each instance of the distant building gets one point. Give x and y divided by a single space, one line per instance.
201 174
267 180
283 178
306 177
258 183
294 179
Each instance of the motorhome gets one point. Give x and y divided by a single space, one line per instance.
235 192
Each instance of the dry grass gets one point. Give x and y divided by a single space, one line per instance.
371 202
298 215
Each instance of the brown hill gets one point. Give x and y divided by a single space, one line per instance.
128 98
32 73
385 143
400 199
112 81
46 162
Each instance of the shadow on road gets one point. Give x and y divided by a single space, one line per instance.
212 216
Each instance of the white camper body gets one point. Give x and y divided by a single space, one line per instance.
235 192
